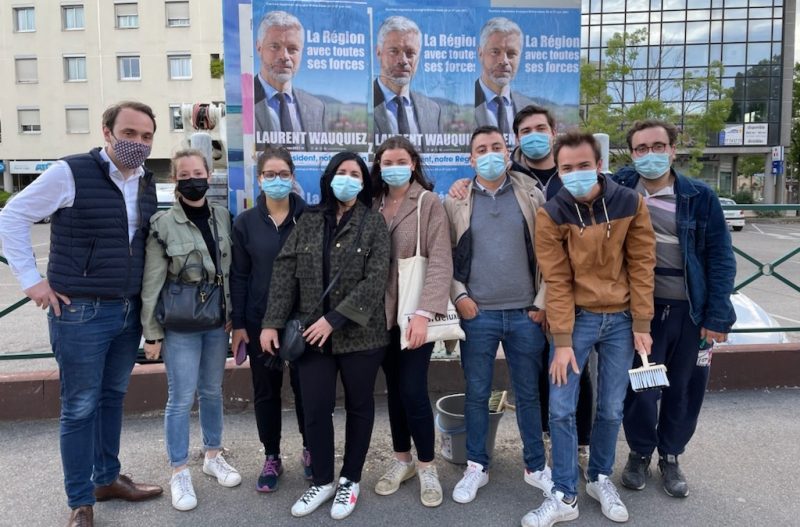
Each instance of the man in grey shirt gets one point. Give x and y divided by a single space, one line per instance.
498 292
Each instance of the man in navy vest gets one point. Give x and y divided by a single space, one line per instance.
100 204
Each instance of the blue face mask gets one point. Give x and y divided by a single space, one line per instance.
535 145
580 182
397 175
346 188
491 166
276 188
652 165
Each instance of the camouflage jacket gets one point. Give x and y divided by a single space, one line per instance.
296 284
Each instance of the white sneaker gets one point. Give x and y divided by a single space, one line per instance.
345 500
583 460
226 475
541 479
183 496
397 473
604 491
313 497
474 478
552 511
430 490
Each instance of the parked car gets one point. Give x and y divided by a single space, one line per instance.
165 194
751 315
733 217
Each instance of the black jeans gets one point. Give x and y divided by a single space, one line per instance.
410 413
318 373
583 413
267 384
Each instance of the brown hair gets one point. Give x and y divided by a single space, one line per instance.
575 139
188 152
638 126
111 113
533 109
274 152
418 174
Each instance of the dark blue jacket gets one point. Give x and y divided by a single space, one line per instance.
91 254
709 265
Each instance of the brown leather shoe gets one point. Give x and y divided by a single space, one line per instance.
81 517
123 488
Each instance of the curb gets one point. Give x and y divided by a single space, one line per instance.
35 395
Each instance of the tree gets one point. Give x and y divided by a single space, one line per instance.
624 88
793 156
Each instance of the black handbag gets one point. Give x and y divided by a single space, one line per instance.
198 306
292 342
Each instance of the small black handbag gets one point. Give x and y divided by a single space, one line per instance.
292 342
193 306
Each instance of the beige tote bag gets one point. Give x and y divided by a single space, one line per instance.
410 282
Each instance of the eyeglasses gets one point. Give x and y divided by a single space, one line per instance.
270 176
657 148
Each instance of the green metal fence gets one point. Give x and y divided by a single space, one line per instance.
763 269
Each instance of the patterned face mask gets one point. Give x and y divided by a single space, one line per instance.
130 154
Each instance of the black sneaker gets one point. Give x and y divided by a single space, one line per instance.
674 481
637 469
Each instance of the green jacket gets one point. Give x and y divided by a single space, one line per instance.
172 237
296 284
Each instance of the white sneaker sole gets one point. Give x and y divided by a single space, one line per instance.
395 488
607 514
225 483
573 515
340 516
471 499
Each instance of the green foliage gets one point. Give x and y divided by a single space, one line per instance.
744 197
217 68
602 85
751 165
4 197
793 155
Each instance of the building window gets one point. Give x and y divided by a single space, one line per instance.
26 70
29 121
129 68
177 14
72 17
75 68
127 15
180 67
78 120
175 118
24 19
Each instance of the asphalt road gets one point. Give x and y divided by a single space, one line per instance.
741 467
26 329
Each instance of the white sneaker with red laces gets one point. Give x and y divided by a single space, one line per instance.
345 500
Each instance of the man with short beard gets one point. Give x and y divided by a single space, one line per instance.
398 110
499 52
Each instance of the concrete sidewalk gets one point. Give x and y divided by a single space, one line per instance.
742 468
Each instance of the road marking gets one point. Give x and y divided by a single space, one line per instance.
756 228
785 318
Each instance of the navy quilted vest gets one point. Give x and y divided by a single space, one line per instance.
90 254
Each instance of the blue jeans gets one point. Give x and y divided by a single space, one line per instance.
523 344
610 334
95 344
195 362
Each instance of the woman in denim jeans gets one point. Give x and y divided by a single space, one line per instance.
192 232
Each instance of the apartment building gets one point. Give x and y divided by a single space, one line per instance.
64 62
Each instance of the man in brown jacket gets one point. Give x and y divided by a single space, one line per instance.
596 249
497 292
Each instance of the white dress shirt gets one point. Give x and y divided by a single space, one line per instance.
54 189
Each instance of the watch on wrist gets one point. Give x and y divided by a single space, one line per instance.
148 341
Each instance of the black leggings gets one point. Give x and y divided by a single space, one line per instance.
410 413
318 373
267 384
583 413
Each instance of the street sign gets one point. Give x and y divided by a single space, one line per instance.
777 153
777 167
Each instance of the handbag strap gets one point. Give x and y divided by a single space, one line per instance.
419 214
342 268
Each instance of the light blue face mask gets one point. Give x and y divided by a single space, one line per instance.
491 166
397 175
535 145
652 165
580 182
276 188
346 188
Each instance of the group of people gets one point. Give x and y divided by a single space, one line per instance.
541 252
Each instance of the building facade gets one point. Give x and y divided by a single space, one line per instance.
65 62
752 39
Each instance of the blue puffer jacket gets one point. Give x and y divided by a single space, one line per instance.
708 261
